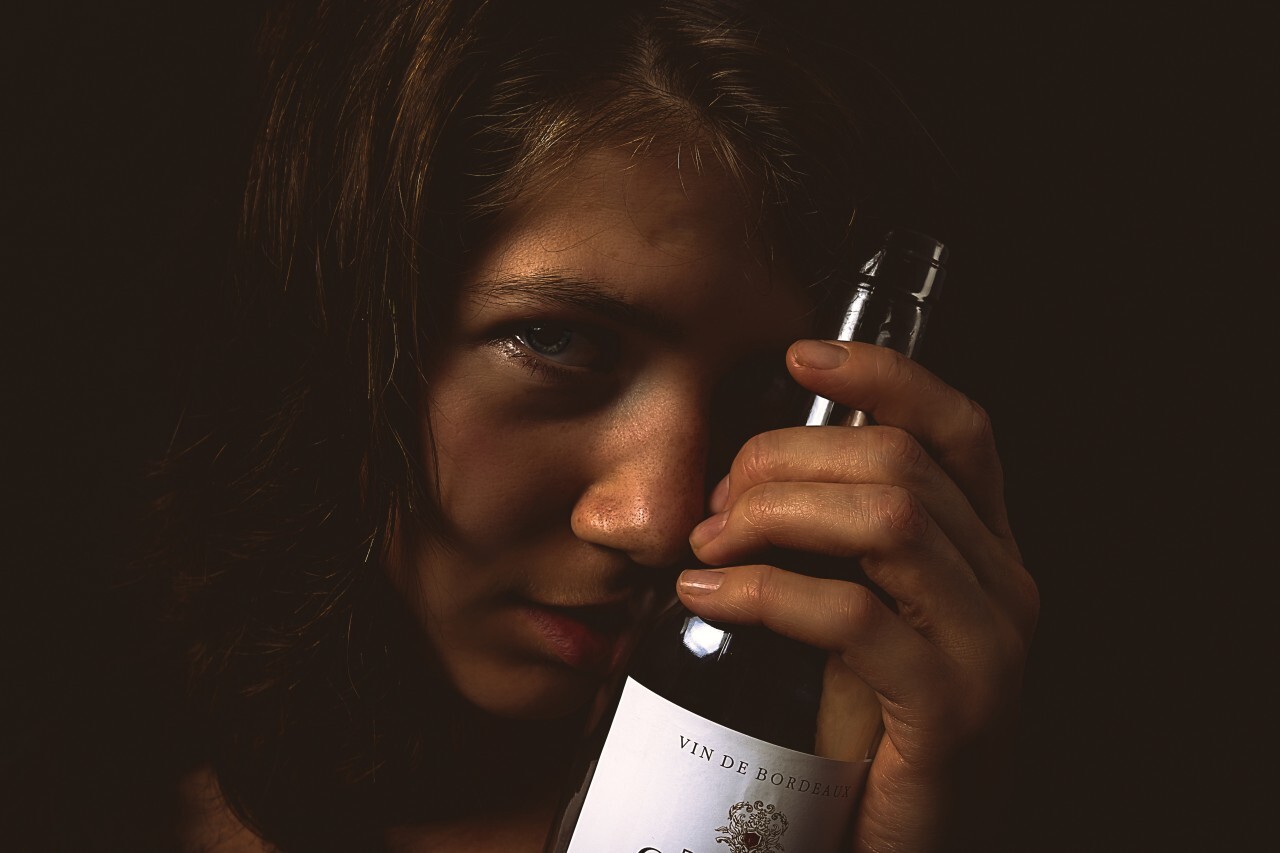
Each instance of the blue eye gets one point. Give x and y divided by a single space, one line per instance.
560 345
545 340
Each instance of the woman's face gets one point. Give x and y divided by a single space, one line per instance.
598 349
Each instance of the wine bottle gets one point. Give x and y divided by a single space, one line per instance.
716 740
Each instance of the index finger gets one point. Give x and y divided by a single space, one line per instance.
898 392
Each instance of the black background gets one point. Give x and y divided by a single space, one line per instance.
1112 308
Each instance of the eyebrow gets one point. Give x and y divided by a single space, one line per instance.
562 289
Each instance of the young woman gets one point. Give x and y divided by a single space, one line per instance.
517 283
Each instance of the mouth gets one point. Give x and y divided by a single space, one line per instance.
586 637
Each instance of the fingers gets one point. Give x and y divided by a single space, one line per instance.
916 500
949 689
899 547
845 618
871 455
898 392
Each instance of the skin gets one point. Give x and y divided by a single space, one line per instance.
584 476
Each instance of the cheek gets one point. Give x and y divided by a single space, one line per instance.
503 480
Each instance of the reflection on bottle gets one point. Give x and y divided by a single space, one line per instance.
703 639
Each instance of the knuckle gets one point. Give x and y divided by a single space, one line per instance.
763 505
898 450
761 587
979 424
892 368
857 610
756 458
896 509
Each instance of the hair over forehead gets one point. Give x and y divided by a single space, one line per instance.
638 85
715 83
435 115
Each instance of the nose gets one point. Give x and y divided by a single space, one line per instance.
648 484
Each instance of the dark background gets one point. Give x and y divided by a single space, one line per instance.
1111 307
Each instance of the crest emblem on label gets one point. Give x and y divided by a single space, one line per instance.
753 828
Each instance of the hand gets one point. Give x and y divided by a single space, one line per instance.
918 501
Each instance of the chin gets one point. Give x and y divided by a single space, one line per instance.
531 692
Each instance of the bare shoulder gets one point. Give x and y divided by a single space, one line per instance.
207 823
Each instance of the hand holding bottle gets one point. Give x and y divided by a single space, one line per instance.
917 501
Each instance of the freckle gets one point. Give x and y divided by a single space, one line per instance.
614 516
641 516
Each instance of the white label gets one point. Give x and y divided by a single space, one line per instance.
669 781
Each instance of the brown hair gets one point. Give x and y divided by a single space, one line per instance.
393 133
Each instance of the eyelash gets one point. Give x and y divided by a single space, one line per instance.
536 366
547 370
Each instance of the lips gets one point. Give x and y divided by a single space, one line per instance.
584 637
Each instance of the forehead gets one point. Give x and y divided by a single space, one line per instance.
666 233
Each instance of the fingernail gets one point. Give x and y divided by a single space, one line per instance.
820 355
719 496
707 530
700 581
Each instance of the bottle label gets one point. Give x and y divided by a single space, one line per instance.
669 781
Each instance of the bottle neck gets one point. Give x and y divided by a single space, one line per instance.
880 316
